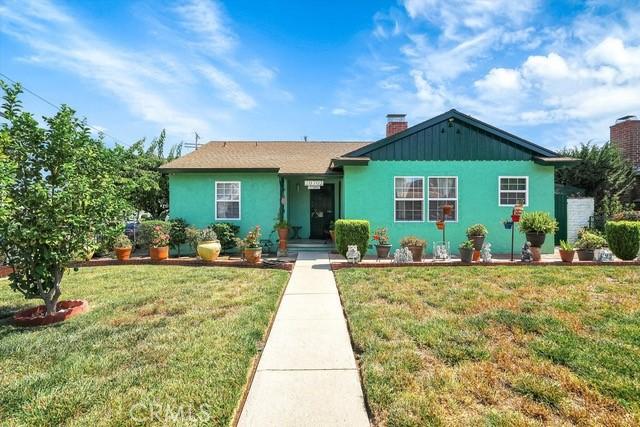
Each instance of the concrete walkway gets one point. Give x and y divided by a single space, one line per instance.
307 375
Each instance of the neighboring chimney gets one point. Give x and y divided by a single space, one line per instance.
396 123
625 135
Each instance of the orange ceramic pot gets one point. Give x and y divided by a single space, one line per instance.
253 255
158 254
123 254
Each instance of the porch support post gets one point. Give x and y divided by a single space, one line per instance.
282 244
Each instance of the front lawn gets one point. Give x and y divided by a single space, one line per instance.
497 346
160 345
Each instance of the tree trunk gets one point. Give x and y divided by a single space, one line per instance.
51 298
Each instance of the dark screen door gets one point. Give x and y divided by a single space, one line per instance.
322 211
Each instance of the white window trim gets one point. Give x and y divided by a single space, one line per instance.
441 198
215 201
405 199
526 193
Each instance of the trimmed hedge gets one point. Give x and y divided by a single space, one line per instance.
144 233
623 238
352 232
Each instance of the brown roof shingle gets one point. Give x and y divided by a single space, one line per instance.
288 157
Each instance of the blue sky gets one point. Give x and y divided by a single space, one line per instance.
557 72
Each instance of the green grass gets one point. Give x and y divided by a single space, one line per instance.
500 346
161 345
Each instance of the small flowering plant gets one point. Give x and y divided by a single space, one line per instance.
159 238
252 240
381 236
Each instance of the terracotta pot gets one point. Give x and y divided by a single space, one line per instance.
158 254
416 252
253 255
447 209
36 316
283 233
476 255
585 254
383 251
440 225
536 253
209 250
122 254
332 233
466 254
478 241
535 238
567 256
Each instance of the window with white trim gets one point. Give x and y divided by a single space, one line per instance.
443 190
227 200
513 189
409 198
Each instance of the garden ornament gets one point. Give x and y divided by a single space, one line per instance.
526 255
604 255
485 252
402 256
441 251
353 254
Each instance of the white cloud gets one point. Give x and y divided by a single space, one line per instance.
228 88
500 83
205 19
550 67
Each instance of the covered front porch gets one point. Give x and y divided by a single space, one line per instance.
311 204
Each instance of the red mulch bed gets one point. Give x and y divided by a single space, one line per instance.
5 270
35 316
188 262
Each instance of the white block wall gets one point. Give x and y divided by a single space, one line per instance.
578 213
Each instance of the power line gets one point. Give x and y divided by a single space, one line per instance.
26 89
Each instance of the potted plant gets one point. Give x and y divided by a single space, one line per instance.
566 251
122 247
159 244
587 243
536 225
447 209
332 230
251 246
440 224
508 225
415 245
476 233
381 237
282 227
208 245
466 251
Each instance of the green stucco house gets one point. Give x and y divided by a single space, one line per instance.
399 182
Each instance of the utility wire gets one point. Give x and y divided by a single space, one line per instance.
57 107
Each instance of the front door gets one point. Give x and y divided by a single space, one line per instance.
322 211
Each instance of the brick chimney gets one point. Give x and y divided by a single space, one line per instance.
625 135
396 123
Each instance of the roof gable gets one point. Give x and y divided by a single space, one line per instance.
452 136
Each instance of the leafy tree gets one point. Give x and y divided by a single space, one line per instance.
178 233
603 173
57 191
146 188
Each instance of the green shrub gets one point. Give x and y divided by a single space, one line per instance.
590 241
477 230
227 234
122 241
537 222
412 241
627 216
145 234
623 238
352 232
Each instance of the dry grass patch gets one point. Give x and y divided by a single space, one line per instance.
499 346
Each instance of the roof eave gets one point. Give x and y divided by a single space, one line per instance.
210 170
556 161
